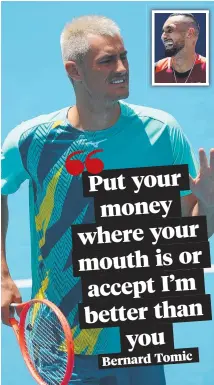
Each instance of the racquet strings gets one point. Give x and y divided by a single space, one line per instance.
45 343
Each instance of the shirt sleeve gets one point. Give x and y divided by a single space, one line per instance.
182 151
13 173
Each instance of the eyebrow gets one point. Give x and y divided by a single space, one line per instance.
108 56
168 27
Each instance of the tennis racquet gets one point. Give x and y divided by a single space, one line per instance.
45 340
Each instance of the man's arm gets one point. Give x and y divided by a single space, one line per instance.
191 207
9 291
4 226
202 187
13 174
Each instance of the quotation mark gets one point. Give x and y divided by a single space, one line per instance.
76 166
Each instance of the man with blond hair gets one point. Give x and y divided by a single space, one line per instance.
95 60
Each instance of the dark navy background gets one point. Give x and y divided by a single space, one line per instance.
160 19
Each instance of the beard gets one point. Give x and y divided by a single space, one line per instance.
177 47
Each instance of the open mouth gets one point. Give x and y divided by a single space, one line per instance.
168 43
119 81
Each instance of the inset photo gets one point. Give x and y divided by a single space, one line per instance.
180 48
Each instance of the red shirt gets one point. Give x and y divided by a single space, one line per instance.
164 72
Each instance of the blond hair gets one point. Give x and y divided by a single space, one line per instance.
73 40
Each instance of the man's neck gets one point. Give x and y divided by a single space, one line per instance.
183 61
95 117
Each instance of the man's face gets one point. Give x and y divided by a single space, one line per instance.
174 35
105 71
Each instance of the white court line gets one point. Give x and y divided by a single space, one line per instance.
23 283
26 283
209 269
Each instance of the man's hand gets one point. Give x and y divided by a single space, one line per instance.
9 294
203 185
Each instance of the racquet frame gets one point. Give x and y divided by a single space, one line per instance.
19 329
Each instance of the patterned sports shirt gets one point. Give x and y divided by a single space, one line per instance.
164 72
36 151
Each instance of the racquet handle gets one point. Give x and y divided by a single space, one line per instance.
13 322
18 305
15 325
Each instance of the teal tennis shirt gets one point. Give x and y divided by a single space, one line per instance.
36 150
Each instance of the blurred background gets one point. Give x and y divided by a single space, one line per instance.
34 83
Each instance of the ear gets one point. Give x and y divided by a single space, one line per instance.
72 70
191 32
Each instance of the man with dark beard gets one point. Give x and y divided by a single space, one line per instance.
182 64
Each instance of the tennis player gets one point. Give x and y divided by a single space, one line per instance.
96 63
182 64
